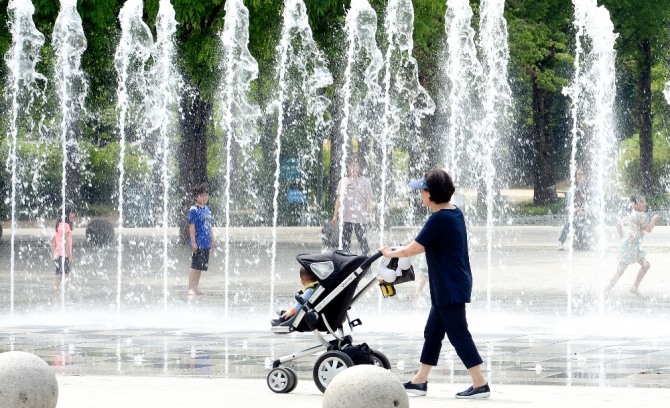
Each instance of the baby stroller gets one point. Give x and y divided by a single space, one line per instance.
339 274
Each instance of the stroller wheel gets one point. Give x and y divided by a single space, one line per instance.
328 365
380 360
282 380
294 376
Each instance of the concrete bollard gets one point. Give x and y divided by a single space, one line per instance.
365 386
26 381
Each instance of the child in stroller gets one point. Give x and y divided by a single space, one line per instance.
309 282
339 274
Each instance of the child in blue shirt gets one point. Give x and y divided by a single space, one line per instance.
201 237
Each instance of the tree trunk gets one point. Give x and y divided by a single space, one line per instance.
192 153
645 121
544 190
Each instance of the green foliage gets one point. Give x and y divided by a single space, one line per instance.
539 38
527 208
629 163
103 167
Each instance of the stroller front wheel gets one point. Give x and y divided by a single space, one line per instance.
282 380
328 365
380 360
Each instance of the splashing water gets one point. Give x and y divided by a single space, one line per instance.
666 91
239 117
21 60
406 103
166 86
462 73
301 76
131 55
497 105
360 100
72 87
592 94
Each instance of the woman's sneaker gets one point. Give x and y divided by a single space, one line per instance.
480 392
416 389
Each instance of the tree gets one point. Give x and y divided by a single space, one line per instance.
539 48
643 39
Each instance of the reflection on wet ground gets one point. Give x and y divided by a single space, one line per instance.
510 358
538 315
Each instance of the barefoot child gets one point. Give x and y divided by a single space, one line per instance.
201 237
61 248
631 228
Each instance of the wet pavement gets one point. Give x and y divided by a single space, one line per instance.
538 316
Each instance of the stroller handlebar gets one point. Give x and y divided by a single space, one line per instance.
365 265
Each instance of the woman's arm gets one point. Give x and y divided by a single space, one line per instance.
414 248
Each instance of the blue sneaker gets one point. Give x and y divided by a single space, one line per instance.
475 393
416 389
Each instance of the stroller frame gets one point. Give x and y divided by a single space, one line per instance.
312 317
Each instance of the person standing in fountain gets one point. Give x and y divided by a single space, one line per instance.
201 237
578 195
354 197
61 248
631 227
444 240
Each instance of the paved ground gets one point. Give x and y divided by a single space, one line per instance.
130 337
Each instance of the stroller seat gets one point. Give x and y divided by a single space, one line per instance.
327 308
339 275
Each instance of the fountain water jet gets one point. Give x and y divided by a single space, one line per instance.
462 74
72 87
592 93
359 100
497 105
166 88
239 116
21 59
302 75
405 102
131 56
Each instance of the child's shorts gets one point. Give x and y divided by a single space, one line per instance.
200 259
59 262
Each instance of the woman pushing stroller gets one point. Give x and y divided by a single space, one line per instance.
444 240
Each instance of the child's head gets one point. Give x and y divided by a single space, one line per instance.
201 193
353 167
638 202
69 216
307 276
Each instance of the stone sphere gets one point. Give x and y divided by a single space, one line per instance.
100 232
26 381
365 386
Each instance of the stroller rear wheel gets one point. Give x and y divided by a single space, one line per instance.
380 360
328 365
282 380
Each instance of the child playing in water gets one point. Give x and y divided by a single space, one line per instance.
201 237
61 248
631 228
309 281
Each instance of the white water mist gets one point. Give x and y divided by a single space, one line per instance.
302 75
22 88
132 54
69 43
238 117
360 99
